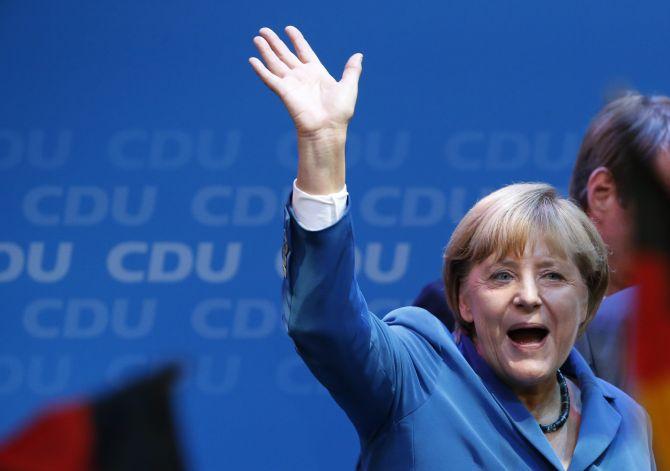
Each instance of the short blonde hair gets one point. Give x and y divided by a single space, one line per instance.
505 221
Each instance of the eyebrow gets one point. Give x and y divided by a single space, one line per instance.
544 263
505 262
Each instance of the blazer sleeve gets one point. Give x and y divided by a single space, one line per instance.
374 371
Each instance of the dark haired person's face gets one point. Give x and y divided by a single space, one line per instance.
615 221
617 230
526 312
615 225
662 167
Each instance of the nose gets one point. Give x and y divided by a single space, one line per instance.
528 295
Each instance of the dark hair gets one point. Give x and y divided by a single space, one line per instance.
631 127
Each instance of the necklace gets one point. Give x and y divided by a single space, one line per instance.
565 406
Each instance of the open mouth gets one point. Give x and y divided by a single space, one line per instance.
528 335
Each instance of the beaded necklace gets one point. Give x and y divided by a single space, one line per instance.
565 406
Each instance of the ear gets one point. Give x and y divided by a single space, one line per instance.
601 193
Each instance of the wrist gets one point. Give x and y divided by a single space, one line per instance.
321 163
331 134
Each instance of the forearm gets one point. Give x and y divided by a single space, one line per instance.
320 288
321 160
344 345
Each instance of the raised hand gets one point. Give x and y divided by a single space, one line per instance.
319 105
314 99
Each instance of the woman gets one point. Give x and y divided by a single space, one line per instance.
524 271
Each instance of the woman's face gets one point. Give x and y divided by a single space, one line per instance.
526 312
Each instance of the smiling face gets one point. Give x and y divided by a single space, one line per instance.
526 310
524 273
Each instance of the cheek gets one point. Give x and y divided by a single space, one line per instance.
568 307
662 165
622 228
487 310
581 297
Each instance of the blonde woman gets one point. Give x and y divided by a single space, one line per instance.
525 271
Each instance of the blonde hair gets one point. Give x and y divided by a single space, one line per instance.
506 220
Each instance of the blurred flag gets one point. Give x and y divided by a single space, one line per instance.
129 429
651 345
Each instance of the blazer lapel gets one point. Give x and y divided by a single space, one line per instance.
517 413
600 420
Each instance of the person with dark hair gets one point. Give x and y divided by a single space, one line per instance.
634 129
525 271
631 129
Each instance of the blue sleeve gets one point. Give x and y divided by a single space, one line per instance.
374 371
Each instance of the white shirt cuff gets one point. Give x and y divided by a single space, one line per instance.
316 212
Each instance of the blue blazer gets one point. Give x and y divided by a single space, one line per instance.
420 399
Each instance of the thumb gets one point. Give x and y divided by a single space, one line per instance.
353 69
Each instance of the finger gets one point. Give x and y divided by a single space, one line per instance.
301 46
270 79
278 46
275 66
353 69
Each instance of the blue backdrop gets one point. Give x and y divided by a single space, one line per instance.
144 168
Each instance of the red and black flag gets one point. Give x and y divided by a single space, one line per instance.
651 345
129 429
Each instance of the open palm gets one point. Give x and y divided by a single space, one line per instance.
313 98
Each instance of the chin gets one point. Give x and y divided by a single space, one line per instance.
530 372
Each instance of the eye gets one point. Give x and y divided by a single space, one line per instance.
554 275
502 276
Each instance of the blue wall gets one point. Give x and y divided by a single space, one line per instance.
144 167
